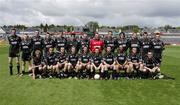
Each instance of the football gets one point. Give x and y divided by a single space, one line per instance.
96 76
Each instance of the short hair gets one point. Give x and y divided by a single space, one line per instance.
157 33
13 29
122 33
109 31
145 33
37 52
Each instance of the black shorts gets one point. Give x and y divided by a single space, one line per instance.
83 68
26 57
51 64
122 66
110 68
37 71
62 66
13 54
159 60
151 67
74 65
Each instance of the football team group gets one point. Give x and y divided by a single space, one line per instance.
55 56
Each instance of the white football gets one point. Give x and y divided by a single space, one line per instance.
96 76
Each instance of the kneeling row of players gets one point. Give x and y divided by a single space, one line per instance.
58 64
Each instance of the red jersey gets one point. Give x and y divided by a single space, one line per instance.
96 44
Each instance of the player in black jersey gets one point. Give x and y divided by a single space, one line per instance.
109 41
60 42
70 66
122 41
48 43
135 62
96 63
151 65
158 47
146 45
14 50
26 48
134 42
37 42
38 66
121 61
108 63
61 61
84 65
84 42
50 60
73 42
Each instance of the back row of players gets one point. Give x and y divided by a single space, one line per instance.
57 56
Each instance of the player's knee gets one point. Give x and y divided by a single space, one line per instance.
54 67
88 67
116 67
40 67
130 65
158 69
57 66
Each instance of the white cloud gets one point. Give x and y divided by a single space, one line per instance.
78 12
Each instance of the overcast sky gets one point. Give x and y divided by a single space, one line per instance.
78 12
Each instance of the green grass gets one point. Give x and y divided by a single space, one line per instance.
25 91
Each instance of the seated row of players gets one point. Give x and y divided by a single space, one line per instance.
64 66
85 65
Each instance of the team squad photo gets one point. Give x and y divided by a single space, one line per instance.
89 52
99 57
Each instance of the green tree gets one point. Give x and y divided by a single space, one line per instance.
46 27
92 25
166 27
41 27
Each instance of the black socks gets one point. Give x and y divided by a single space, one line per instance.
10 69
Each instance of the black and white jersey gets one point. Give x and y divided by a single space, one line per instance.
15 43
74 43
109 58
122 42
134 43
48 43
85 58
158 47
38 43
60 42
150 62
26 46
84 43
121 58
73 59
61 57
50 59
146 46
97 59
110 42
134 58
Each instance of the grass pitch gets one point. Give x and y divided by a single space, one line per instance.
16 90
